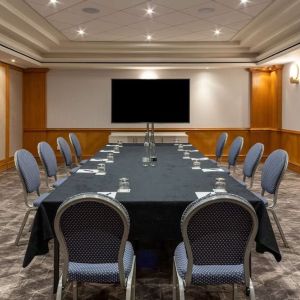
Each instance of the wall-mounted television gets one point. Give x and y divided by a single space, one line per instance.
150 100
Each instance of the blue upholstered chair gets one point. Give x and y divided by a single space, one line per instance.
220 145
251 163
77 148
218 233
234 151
272 173
29 174
49 163
66 153
92 231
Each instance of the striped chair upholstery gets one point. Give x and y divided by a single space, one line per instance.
29 174
272 174
66 153
220 145
49 163
92 231
218 233
77 148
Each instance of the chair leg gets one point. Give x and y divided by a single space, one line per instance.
75 290
178 285
279 228
234 292
22 227
59 289
130 285
174 285
252 292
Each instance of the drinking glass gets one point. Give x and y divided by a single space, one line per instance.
176 141
110 157
196 163
116 149
180 147
124 184
120 143
101 168
186 155
220 184
145 161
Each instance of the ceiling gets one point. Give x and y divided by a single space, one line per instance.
38 34
127 20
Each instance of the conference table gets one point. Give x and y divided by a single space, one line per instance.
158 196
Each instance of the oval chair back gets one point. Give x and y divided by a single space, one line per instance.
220 145
92 229
48 159
219 230
273 171
234 151
65 151
252 161
76 145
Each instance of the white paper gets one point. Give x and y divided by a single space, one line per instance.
110 194
100 174
219 190
195 150
87 171
196 168
187 145
98 159
123 190
204 158
213 170
203 194
107 151
186 158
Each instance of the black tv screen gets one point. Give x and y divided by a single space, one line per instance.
150 100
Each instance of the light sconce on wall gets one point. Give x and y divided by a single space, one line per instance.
294 73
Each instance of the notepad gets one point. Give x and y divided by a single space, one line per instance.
196 168
203 194
87 171
204 158
110 194
213 170
219 190
195 150
107 151
98 159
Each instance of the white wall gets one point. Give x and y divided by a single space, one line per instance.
82 98
290 102
16 129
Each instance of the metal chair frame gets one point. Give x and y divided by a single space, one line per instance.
179 284
128 284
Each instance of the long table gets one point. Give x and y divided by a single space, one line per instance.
156 201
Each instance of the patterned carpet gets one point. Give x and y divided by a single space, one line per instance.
272 280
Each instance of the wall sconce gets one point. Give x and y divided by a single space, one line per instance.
294 73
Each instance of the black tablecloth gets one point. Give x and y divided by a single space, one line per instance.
156 201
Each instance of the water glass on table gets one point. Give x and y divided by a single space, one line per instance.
110 157
196 163
145 161
180 147
124 186
220 185
101 169
186 155
116 149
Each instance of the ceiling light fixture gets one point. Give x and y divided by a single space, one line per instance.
149 11
81 32
13 60
149 37
53 2
294 73
244 2
217 32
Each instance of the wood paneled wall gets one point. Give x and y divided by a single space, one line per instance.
265 120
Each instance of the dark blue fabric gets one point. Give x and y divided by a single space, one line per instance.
158 196
235 150
59 182
220 144
252 159
76 145
65 151
48 157
37 202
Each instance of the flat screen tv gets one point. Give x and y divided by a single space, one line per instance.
150 100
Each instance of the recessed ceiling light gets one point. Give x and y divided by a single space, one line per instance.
81 32
244 2
13 60
217 32
206 10
149 11
90 10
53 2
149 37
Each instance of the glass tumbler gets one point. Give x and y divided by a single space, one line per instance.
196 163
116 149
220 184
180 147
101 168
186 155
124 184
110 157
145 161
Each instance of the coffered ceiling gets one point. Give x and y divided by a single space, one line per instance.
182 32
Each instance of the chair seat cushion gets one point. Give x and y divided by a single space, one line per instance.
262 198
208 274
101 273
60 181
39 199
240 181
82 162
74 170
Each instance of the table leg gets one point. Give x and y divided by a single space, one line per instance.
55 265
